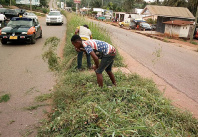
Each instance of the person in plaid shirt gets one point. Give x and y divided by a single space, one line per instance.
107 51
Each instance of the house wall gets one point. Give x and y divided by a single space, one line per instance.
161 26
177 30
172 30
184 31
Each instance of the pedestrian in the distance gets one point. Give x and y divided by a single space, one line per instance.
85 33
107 59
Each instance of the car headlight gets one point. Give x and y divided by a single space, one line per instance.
48 18
59 18
24 32
3 32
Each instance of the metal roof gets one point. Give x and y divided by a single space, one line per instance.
179 22
167 11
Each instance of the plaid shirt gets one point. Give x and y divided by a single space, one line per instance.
98 45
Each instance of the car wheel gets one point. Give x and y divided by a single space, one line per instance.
121 26
3 41
40 35
47 24
33 39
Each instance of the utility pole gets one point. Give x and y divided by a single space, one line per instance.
10 2
102 3
195 24
30 5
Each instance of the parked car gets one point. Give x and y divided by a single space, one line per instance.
9 13
54 17
21 29
124 24
3 10
30 15
153 26
145 26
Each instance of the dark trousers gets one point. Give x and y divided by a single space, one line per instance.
79 60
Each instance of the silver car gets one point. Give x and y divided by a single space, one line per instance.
54 17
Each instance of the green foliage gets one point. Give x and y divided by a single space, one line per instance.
151 21
5 98
50 55
43 97
134 108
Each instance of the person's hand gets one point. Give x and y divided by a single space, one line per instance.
78 50
94 67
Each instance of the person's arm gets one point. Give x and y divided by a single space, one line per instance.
96 60
77 31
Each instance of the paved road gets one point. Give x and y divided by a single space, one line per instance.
24 75
176 65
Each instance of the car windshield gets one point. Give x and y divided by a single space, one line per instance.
54 13
16 23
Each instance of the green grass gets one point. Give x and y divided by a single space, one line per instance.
5 98
43 97
135 107
195 43
34 107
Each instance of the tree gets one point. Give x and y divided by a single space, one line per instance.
128 5
175 3
192 6
96 3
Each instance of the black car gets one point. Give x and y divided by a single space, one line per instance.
9 13
145 26
21 29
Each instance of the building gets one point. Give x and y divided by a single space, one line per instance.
178 28
166 13
27 2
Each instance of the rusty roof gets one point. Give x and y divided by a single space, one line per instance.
179 22
167 11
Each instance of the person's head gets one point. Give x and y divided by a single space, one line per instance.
76 41
86 26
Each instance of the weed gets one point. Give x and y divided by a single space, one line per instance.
195 43
157 54
43 97
12 121
165 39
5 98
31 90
34 107
50 55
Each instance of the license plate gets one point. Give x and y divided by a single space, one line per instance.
13 37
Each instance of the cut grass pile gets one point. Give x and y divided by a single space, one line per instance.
134 108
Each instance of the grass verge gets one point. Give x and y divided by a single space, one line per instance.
134 108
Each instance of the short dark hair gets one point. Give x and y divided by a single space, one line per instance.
86 26
75 38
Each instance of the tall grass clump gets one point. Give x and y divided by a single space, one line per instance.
135 107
